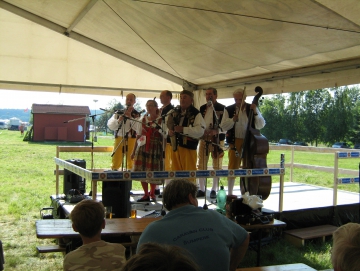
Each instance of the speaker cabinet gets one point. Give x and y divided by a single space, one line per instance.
117 195
73 181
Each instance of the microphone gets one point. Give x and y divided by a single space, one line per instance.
119 111
168 113
177 108
209 102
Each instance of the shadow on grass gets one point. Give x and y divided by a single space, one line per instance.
278 251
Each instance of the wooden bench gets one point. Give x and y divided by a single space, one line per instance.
298 236
50 248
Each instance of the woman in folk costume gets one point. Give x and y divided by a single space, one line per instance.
148 150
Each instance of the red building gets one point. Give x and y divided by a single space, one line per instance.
59 122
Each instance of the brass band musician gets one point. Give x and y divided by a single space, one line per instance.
124 134
187 125
235 121
212 113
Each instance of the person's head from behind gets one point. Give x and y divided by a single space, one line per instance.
161 257
346 248
178 193
88 217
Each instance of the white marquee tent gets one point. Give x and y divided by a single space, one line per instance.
111 47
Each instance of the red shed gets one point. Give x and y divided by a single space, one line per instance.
59 122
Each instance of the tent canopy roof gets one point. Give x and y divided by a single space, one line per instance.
147 46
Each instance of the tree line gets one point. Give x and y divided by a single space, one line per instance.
315 116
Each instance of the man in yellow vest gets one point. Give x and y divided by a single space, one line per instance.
125 136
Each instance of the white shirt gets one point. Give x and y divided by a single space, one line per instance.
198 128
209 117
241 125
113 125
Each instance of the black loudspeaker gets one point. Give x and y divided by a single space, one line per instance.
117 195
73 181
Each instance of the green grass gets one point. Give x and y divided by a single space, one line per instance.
27 181
314 254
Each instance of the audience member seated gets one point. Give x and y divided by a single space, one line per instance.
346 248
160 257
88 218
216 242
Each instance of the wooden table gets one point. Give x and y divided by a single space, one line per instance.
284 267
260 227
61 228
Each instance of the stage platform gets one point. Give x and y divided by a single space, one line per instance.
303 205
297 196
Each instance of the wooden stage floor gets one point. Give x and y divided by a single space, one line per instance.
297 196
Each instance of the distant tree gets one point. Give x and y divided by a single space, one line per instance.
322 115
338 120
31 120
273 111
315 108
104 116
354 132
294 115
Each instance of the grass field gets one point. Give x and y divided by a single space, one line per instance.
27 181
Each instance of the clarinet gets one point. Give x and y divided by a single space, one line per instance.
173 120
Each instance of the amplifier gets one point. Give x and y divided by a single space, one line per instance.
73 181
117 195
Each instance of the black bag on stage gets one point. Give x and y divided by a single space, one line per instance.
254 218
74 196
245 215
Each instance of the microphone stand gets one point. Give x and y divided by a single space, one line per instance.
164 141
217 126
207 142
205 207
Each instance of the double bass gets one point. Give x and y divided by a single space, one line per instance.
254 151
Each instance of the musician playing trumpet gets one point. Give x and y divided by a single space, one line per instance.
212 113
234 122
185 125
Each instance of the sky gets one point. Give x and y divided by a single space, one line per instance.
14 99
